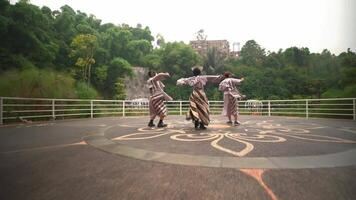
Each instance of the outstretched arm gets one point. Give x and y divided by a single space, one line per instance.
214 78
186 81
236 80
161 76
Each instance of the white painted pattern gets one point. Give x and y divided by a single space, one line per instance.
253 131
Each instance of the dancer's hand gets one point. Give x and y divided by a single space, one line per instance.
242 78
180 82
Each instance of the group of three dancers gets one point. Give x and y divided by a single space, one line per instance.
198 102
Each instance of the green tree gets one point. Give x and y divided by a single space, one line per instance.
118 68
297 57
49 41
137 49
178 59
26 34
252 54
152 61
83 49
273 60
213 61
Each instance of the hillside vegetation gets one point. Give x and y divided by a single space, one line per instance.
70 54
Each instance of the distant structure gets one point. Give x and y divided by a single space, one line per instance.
235 49
222 46
202 46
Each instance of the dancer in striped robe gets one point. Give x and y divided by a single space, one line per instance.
198 102
157 98
231 96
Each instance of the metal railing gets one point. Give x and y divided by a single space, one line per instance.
14 109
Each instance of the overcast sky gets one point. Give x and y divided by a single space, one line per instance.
274 24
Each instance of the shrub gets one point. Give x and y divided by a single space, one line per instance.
85 91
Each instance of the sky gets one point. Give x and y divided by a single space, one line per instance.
274 24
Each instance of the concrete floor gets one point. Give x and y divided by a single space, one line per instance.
120 158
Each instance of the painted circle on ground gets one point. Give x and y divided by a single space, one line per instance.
257 143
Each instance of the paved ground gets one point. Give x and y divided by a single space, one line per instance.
120 158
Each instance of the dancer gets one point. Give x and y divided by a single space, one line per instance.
157 98
198 102
231 96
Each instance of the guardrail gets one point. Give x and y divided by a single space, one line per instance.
14 109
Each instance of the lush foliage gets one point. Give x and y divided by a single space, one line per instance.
66 54
294 73
33 82
70 42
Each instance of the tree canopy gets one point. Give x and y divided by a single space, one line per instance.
90 59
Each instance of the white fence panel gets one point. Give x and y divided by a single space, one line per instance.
14 109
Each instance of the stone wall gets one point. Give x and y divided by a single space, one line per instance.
136 86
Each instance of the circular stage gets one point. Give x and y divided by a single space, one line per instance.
259 142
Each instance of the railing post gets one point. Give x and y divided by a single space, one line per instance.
306 109
1 110
123 108
53 109
91 109
180 107
269 108
354 107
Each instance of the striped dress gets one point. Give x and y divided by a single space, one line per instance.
231 96
198 102
158 96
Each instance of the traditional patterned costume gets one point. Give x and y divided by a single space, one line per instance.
231 96
158 96
199 105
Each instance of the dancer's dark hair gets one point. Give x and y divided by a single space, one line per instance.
151 73
227 74
196 71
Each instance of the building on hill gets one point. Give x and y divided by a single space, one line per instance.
202 46
222 46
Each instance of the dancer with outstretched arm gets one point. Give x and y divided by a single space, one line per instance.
158 96
198 102
231 97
